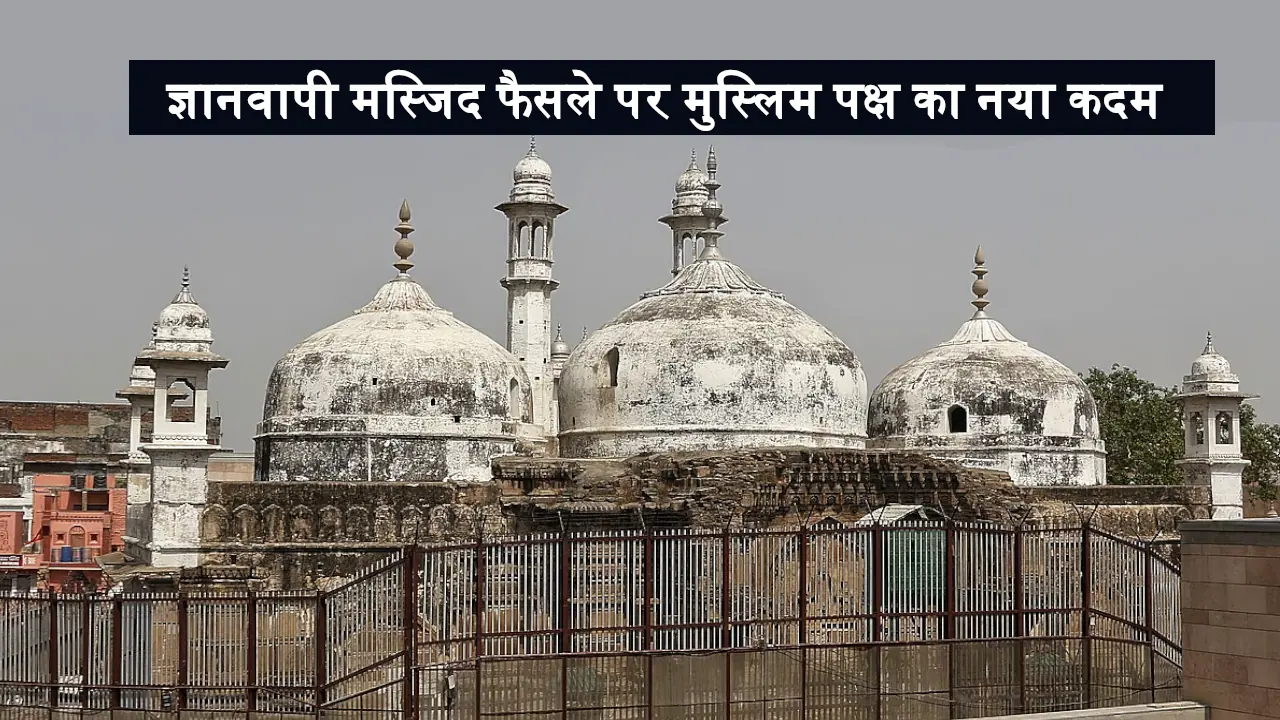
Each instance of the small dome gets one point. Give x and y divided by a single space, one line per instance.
183 325
988 399
691 191
1211 366
559 348
531 178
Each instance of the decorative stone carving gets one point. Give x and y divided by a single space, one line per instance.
246 524
358 526
384 524
330 525
273 524
301 527
213 525
411 525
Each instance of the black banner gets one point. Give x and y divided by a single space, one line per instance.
671 97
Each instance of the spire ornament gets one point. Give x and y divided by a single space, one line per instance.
1208 345
980 285
404 246
713 211
184 295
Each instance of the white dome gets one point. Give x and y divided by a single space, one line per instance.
400 390
183 326
531 179
988 399
713 360
691 190
1212 367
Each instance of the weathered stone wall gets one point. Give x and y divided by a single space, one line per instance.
53 437
326 458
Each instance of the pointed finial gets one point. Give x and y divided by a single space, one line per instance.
693 159
558 337
712 210
404 247
533 145
186 277
184 294
584 332
1208 344
980 285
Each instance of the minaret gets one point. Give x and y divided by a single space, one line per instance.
559 356
180 354
531 214
1211 401
686 219
140 392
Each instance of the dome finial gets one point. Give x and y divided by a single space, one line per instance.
712 210
693 159
184 294
980 285
404 247
533 146
1208 345
559 338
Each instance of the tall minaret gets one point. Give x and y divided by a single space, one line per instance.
181 354
531 214
1211 400
686 219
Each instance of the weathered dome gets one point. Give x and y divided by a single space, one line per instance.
559 348
712 360
991 400
399 355
400 390
691 191
531 178
1210 366
183 325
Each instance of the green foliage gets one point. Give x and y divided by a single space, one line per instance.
1141 423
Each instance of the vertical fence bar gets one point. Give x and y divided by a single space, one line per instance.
1148 617
1086 611
86 635
877 583
949 584
116 648
54 689
410 585
479 585
322 642
566 617
648 623
726 631
803 600
251 655
1019 618
183 650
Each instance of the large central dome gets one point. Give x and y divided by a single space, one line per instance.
712 360
400 390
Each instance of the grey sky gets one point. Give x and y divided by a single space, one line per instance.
1101 250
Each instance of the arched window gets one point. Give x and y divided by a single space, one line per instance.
611 357
513 400
77 536
539 247
1197 428
957 419
1225 434
522 240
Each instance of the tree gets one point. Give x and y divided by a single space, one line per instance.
1141 423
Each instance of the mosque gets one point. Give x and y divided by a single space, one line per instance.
401 421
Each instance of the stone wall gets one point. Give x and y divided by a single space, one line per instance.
1231 617
71 437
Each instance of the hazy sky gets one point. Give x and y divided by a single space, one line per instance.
1101 250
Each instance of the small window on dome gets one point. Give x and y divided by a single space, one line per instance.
513 400
375 381
611 357
957 419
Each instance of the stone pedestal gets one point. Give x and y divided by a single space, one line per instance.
179 486
1225 479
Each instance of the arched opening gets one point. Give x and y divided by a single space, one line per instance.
513 400
180 399
522 240
1225 434
611 358
76 537
1197 428
957 419
539 247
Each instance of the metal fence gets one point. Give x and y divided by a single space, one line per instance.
829 621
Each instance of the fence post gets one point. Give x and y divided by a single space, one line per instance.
251 653
1020 618
410 581
322 643
1148 617
566 618
86 634
804 619
1086 612
116 648
648 623
949 584
478 583
726 632
877 583
183 650
54 689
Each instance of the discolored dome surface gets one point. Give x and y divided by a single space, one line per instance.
712 360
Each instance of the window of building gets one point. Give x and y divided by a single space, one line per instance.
611 358
957 419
